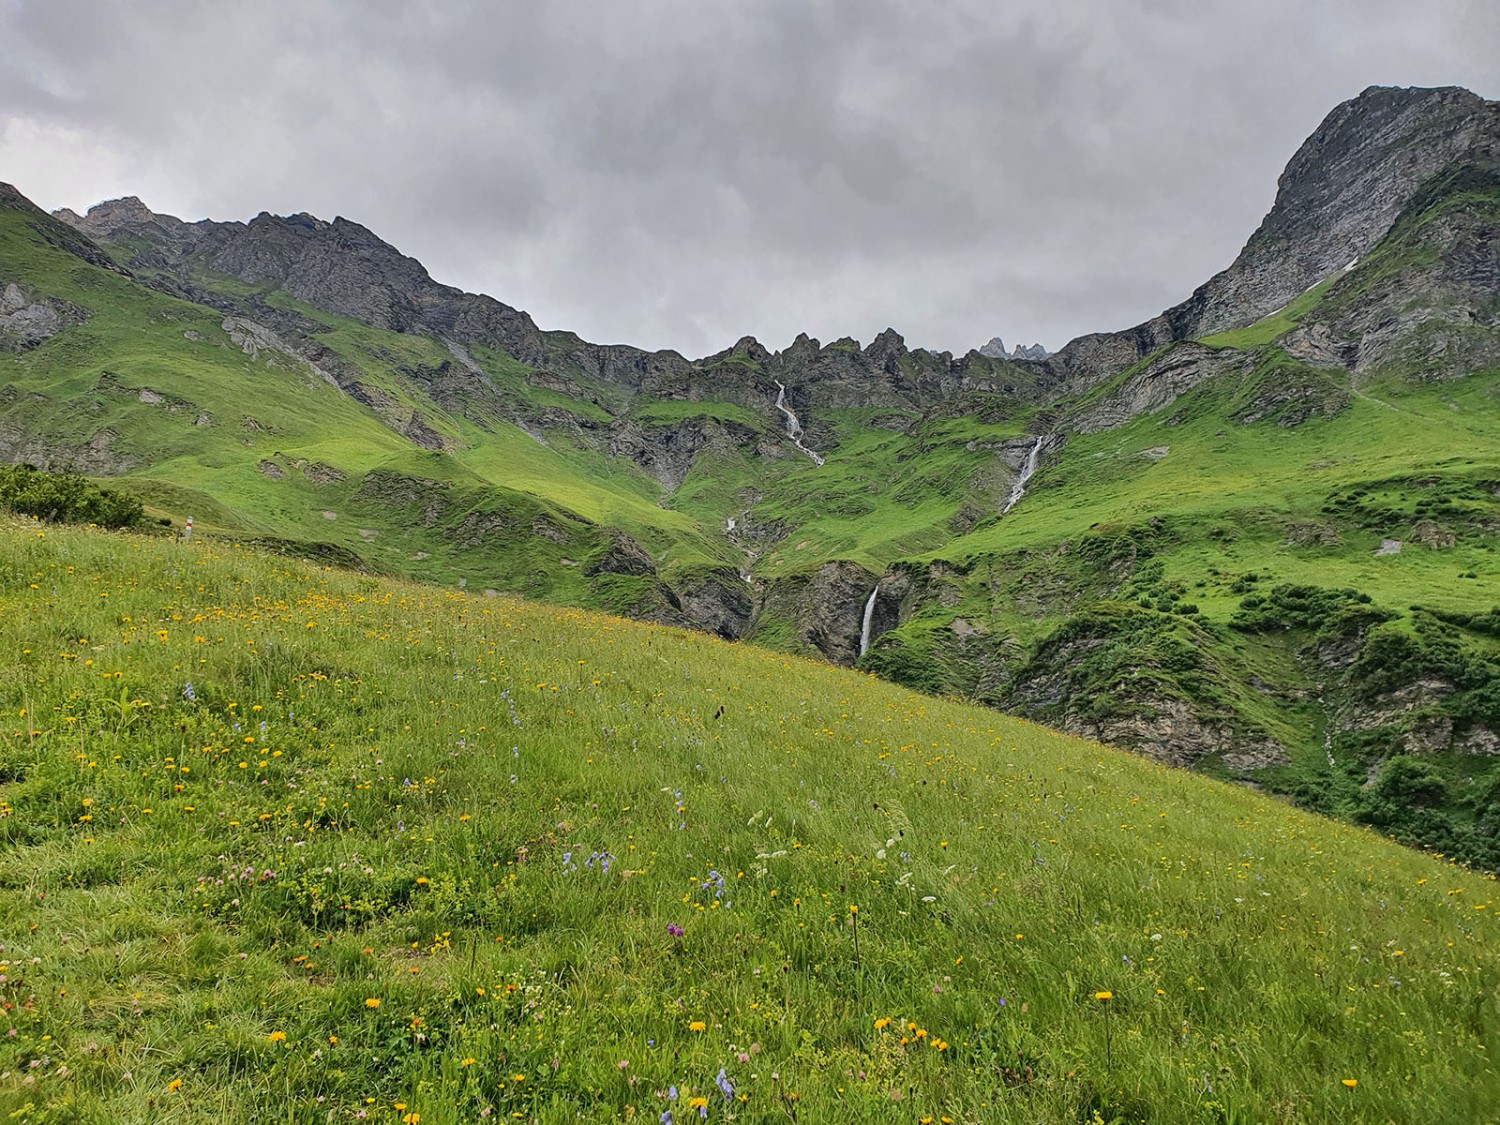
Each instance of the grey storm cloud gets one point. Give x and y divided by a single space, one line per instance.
679 173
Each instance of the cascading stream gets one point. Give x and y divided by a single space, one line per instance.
1018 489
793 426
864 627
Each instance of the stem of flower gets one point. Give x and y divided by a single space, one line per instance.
1109 1062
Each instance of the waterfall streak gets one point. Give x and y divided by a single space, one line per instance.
793 426
864 627
1018 489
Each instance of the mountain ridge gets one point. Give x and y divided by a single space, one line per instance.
1338 194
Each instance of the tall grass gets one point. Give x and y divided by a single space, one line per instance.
289 843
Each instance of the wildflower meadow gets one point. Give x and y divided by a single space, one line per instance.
288 843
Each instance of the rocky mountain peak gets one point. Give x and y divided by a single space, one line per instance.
804 345
1341 192
126 209
751 347
106 218
888 343
1339 195
996 349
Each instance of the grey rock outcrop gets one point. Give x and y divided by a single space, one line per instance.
1425 307
26 321
1157 385
623 556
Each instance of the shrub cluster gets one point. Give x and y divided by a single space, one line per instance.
1321 610
64 498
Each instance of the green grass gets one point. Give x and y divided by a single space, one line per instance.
1274 325
384 792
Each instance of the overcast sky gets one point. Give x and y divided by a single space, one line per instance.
680 173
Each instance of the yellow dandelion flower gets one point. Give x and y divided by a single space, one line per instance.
175 1084
372 1002
277 1037
1104 996
697 1025
1351 1082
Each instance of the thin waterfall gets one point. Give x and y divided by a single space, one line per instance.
1018 489
864 625
793 426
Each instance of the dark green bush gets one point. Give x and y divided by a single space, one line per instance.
64 498
1287 607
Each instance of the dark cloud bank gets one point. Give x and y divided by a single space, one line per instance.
679 173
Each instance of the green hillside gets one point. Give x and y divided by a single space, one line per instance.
352 848
262 445
1266 552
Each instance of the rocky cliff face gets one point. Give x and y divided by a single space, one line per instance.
1339 196
339 267
1424 302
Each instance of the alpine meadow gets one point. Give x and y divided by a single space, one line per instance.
531 729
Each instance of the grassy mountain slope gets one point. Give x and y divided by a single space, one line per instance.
291 837
262 445
1268 469
1181 576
